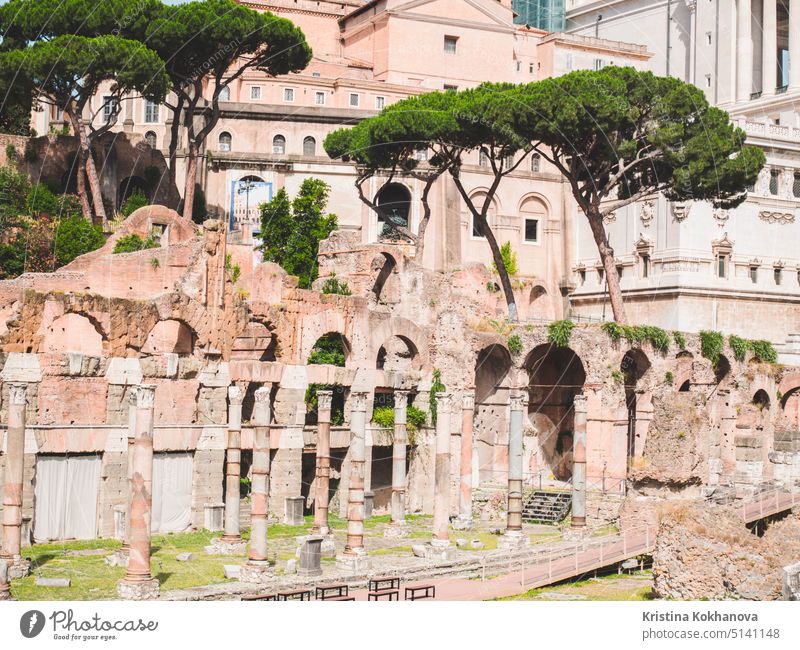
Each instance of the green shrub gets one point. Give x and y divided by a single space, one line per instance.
559 333
509 259
711 345
329 350
132 243
669 377
11 151
680 339
337 405
618 376
383 416
657 337
614 330
515 345
764 351
75 236
739 346
334 286
133 202
234 269
416 419
436 387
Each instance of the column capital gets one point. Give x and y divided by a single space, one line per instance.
358 400
401 399
519 400
235 395
132 395
263 393
17 393
443 402
468 400
145 396
579 403
324 399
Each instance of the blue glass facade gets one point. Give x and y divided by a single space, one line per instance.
544 14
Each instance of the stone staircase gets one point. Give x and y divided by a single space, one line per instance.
546 507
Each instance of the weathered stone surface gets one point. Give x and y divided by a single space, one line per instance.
707 552
184 557
53 582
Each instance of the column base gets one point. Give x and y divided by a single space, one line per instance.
436 549
513 539
577 534
462 522
18 567
397 530
138 590
257 572
221 546
355 563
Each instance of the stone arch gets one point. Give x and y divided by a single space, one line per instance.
790 402
761 399
130 186
491 215
493 378
316 325
398 353
540 305
386 288
555 376
327 347
74 332
170 336
257 342
634 367
405 329
722 369
536 203
684 361
394 202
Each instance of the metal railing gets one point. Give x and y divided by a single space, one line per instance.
543 480
770 502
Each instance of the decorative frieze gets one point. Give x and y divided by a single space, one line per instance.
776 217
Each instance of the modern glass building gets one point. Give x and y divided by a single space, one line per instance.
544 14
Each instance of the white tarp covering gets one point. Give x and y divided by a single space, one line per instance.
66 497
172 492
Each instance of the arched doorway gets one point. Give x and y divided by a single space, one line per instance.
129 186
555 376
633 367
397 354
255 343
386 288
492 385
394 209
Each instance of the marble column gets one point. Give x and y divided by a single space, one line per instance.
397 527
257 568
138 583
126 542
744 51
794 44
232 534
12 482
323 463
464 520
441 503
513 535
769 48
354 557
579 464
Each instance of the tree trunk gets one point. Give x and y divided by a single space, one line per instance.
423 224
80 180
505 280
91 171
607 258
191 180
174 135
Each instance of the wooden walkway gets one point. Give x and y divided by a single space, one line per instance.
767 504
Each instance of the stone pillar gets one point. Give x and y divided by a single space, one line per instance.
354 557
126 543
744 51
323 471
397 527
138 583
513 536
464 520
257 568
579 464
769 48
794 44
234 467
12 487
441 503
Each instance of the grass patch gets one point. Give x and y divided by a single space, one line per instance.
609 587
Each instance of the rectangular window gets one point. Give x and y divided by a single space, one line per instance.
316 74
568 61
582 276
754 274
255 92
599 64
601 274
722 266
620 271
536 163
355 100
777 273
519 66
319 98
476 229
450 87
708 38
483 159
380 103
708 81
774 182
531 230
110 105
450 44
150 111
530 68
645 266
288 94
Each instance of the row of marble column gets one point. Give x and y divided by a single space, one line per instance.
769 48
139 584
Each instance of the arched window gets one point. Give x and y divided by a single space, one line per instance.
309 146
225 94
225 141
395 203
151 139
279 145
536 163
